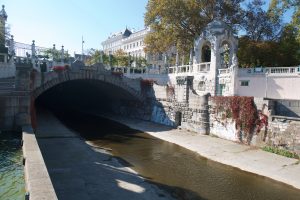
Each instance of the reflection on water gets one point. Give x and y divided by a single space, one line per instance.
11 168
186 174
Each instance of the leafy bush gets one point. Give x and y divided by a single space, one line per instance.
281 152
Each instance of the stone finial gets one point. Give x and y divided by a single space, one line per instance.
3 13
11 37
62 47
53 46
33 52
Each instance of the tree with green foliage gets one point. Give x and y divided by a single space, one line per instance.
121 58
260 24
269 42
178 22
94 57
55 54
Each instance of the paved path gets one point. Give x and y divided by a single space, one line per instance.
246 158
78 171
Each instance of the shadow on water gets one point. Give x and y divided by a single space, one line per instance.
185 174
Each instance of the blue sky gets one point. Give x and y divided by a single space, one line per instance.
64 22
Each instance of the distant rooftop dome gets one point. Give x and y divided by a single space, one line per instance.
127 32
3 13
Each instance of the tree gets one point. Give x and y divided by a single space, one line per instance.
141 62
94 56
55 54
262 25
269 42
121 58
178 22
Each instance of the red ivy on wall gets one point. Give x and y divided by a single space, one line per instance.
241 109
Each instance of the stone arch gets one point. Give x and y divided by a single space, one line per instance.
206 52
131 86
202 50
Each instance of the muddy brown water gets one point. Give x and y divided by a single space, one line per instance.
183 173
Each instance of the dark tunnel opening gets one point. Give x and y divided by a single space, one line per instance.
83 96
79 104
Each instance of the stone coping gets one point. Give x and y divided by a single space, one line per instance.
37 180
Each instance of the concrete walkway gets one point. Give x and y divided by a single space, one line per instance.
78 171
244 157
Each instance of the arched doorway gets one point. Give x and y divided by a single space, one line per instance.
206 53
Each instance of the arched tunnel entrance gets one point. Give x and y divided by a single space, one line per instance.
84 96
78 104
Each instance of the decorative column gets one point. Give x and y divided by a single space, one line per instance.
177 61
33 52
183 86
191 61
23 83
101 57
11 48
3 49
166 63
214 62
62 54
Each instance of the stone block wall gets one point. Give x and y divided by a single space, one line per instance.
14 111
284 133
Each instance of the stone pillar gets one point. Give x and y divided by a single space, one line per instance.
62 54
205 115
183 86
3 49
33 52
11 48
177 62
215 58
166 63
101 58
3 18
23 84
191 61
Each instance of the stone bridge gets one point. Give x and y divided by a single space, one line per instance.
84 83
41 82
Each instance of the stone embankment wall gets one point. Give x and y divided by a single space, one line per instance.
178 105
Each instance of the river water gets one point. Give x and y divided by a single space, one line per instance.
12 184
184 174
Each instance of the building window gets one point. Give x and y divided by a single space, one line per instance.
137 44
201 86
244 83
133 45
130 46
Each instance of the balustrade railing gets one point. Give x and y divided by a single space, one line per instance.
275 70
283 70
188 69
